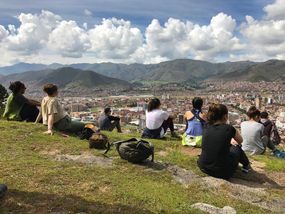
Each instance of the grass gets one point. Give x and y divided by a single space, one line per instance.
39 184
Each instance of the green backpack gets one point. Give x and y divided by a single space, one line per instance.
134 150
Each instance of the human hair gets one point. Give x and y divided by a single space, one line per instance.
107 110
16 87
197 103
253 112
153 104
50 89
264 115
216 113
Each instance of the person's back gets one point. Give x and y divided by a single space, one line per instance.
14 105
252 133
215 148
267 127
219 157
52 105
195 122
155 118
104 122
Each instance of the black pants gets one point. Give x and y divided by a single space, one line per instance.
237 155
168 124
29 113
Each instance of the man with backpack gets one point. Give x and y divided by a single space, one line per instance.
195 121
270 129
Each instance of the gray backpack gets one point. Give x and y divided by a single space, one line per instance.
134 150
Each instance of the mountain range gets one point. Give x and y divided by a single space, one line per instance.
180 70
67 78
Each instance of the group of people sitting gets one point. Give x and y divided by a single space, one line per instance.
223 147
50 111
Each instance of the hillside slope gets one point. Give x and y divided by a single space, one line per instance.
66 77
272 70
48 174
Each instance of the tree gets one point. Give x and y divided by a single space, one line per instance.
3 97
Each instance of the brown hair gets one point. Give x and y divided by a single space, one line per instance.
50 89
216 112
253 112
16 87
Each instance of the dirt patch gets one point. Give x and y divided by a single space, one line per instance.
181 175
86 159
162 153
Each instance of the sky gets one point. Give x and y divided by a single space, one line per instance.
135 31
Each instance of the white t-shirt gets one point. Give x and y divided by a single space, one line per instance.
155 118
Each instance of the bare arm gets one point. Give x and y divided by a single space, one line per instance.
34 102
39 117
238 138
50 124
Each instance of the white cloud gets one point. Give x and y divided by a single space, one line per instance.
266 38
276 10
33 32
115 39
3 33
88 12
68 39
177 39
47 38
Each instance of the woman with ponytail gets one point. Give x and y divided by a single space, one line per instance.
221 145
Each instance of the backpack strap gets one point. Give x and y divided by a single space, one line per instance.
119 143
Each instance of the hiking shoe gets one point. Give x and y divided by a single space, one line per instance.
246 169
3 190
279 154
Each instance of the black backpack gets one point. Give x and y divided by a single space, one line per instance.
134 150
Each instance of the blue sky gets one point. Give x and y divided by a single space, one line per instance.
141 31
139 12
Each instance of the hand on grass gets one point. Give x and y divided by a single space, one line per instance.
49 132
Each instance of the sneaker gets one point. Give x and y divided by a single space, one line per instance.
3 190
279 154
246 169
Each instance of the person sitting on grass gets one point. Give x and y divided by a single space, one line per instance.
270 129
158 121
221 146
255 141
3 190
54 116
107 122
195 122
19 107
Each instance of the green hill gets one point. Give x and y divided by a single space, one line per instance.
47 174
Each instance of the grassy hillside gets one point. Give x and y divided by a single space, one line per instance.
40 182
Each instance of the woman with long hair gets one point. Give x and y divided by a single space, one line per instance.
220 154
158 121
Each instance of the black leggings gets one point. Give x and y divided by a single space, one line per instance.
168 124
29 113
237 155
